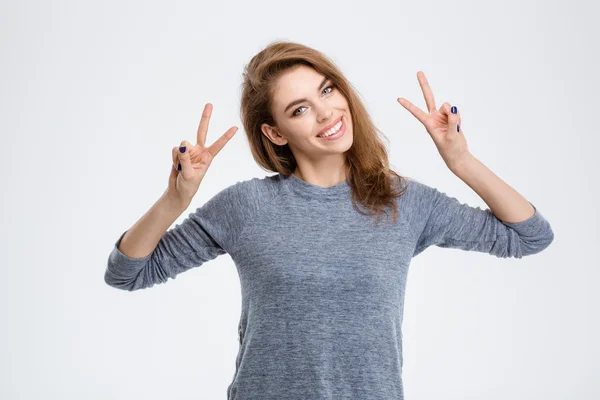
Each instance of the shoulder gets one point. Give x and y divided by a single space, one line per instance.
413 187
255 190
244 198
418 195
226 213
420 189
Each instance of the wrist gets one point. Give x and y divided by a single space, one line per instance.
172 202
461 163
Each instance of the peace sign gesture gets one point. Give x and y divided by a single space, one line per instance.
443 126
190 163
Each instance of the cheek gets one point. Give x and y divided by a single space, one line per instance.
300 129
343 105
341 100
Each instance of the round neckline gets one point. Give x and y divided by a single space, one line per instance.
301 186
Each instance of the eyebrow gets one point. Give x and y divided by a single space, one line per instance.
293 103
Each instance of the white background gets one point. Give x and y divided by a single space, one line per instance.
95 95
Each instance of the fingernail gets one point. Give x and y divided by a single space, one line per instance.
458 128
453 109
179 167
182 149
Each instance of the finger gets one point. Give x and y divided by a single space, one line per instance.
203 126
451 112
174 153
414 110
427 93
216 147
174 172
184 159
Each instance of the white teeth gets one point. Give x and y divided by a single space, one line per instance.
333 130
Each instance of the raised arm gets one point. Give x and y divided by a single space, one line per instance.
205 234
445 222
145 254
511 227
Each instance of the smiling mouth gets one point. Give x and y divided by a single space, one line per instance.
339 124
338 134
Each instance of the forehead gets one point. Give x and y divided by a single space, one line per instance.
295 83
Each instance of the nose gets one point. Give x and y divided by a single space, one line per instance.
325 113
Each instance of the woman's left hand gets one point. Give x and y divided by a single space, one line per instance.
443 126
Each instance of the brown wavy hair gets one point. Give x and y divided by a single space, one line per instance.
369 175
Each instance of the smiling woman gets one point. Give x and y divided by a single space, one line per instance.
321 114
322 284
303 117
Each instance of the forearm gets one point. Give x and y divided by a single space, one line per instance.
505 202
143 237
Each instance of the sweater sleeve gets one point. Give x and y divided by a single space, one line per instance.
445 222
208 232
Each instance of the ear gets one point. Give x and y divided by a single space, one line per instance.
273 134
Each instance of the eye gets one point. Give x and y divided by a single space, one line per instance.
329 87
295 113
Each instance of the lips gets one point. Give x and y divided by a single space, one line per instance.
328 127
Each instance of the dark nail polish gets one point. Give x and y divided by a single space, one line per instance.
182 149
458 128
179 167
453 109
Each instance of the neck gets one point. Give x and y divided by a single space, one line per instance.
324 177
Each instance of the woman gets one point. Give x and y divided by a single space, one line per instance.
322 279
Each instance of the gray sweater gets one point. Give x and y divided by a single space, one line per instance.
322 285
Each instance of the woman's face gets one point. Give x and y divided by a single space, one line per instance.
305 103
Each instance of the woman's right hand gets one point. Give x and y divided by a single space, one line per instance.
195 161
